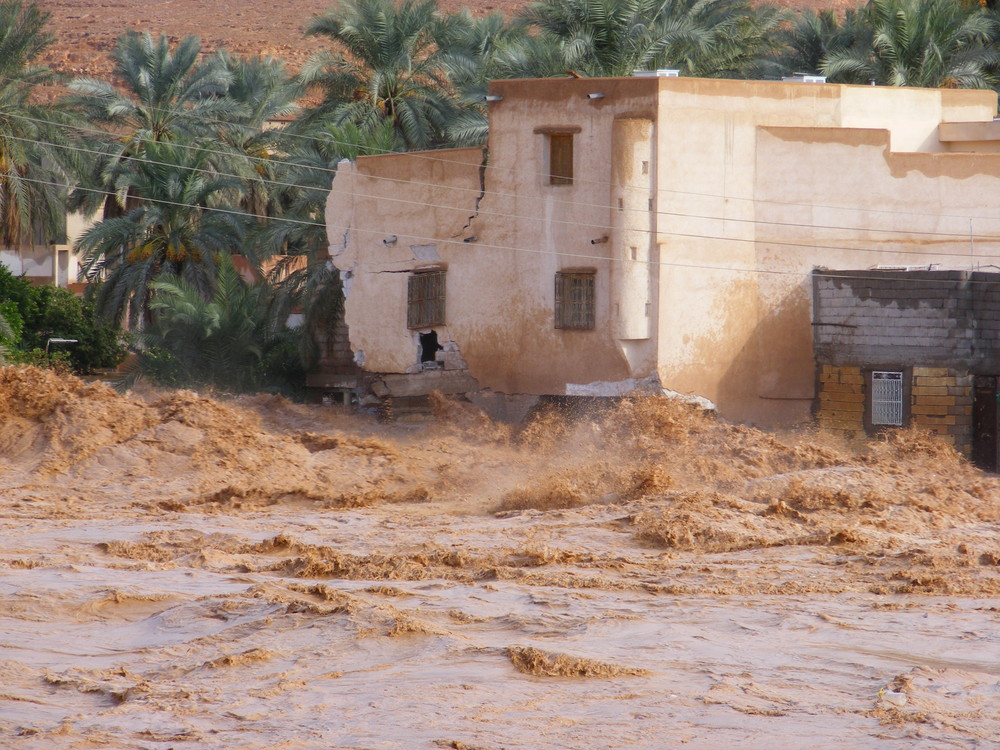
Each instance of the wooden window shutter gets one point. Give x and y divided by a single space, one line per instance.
575 301
560 158
425 299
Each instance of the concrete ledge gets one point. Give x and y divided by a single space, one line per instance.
423 383
959 132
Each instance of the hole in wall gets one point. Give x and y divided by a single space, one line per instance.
429 346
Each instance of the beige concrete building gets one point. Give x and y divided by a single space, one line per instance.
653 229
43 263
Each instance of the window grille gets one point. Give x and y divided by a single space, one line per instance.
575 300
425 299
560 158
887 398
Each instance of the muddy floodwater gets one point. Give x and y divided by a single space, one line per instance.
184 572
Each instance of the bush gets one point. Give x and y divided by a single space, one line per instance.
37 314
58 361
226 341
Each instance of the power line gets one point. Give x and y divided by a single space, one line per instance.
535 251
512 170
522 217
755 222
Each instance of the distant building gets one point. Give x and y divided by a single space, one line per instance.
44 262
652 232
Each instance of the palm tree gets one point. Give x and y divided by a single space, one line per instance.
178 216
716 38
390 69
813 37
470 44
218 340
935 43
265 94
305 278
476 50
162 95
32 182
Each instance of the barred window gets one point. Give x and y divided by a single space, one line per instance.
560 158
887 398
425 299
575 300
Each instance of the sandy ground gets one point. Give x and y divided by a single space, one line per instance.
86 29
182 572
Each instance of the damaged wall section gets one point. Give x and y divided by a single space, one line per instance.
394 219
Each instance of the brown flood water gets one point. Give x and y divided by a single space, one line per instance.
182 572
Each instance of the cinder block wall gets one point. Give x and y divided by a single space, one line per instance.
945 325
919 318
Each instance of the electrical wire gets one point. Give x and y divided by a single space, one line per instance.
539 251
755 222
521 217
516 171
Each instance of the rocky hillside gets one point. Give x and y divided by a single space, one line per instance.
87 29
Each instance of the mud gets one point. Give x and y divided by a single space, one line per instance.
189 572
535 662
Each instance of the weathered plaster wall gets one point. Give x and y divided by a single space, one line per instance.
631 236
551 227
425 202
741 221
912 115
501 285
752 185
709 288
850 202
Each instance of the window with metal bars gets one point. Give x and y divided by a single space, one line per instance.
887 398
425 299
575 300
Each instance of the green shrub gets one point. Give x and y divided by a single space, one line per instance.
34 315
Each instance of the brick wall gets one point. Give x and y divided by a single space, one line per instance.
841 400
335 366
941 401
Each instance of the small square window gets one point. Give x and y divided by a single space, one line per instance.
575 300
425 299
560 158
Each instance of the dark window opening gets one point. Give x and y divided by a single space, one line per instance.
560 158
425 299
429 347
986 423
575 300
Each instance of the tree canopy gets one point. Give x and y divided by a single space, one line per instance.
185 159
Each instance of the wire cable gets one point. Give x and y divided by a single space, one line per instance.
539 251
604 227
424 155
